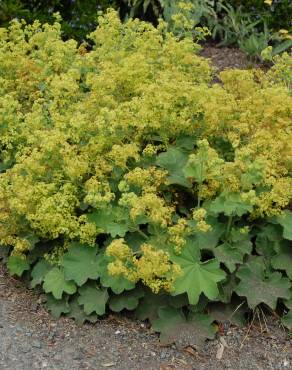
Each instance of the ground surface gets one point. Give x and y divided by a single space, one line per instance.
31 340
223 58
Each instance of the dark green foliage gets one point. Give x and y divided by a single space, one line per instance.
79 16
278 15
228 20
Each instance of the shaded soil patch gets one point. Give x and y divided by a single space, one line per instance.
228 57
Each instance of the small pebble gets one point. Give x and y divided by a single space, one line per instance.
36 344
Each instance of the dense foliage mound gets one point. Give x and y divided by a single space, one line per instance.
130 181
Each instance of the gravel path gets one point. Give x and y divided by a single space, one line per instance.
31 340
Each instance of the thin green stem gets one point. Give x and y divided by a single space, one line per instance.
199 197
142 234
229 224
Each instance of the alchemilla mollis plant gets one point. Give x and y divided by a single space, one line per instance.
130 181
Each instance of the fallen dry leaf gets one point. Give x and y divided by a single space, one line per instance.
220 351
166 367
191 351
109 364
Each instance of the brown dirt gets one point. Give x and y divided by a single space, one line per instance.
228 57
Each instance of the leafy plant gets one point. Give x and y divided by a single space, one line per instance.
55 283
175 327
255 44
206 275
78 17
233 26
135 184
17 265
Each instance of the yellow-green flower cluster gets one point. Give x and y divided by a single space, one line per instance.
150 205
119 249
98 193
178 233
153 267
147 180
199 215
80 131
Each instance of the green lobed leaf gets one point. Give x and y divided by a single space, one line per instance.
17 265
287 320
232 312
209 239
288 303
232 253
261 286
150 304
253 175
178 301
174 160
168 319
174 327
80 263
57 306
186 142
113 220
242 239
200 307
230 204
55 283
202 327
267 240
196 169
127 300
93 299
134 240
283 259
226 288
39 272
229 255
286 222
77 313
197 277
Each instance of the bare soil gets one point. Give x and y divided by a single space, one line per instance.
228 57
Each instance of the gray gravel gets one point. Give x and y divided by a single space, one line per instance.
30 339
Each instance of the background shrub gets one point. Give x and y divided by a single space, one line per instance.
79 17
277 16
